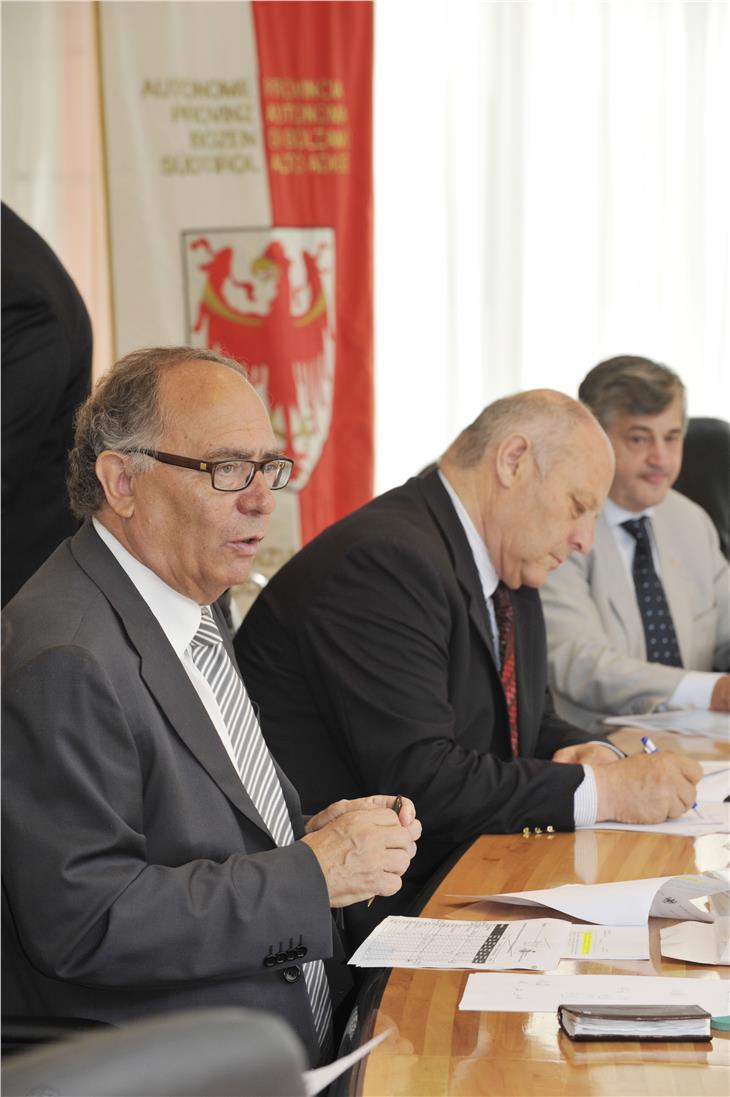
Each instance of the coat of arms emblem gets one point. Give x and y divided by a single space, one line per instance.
266 298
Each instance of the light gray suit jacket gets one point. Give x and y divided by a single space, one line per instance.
596 647
138 876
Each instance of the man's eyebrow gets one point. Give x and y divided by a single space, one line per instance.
225 453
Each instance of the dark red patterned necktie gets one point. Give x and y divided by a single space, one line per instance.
505 615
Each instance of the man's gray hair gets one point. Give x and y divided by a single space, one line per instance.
629 385
123 414
546 417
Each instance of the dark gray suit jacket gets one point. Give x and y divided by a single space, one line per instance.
386 679
138 876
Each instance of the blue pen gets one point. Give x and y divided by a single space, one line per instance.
650 747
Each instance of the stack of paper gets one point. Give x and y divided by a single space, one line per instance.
440 943
698 943
707 818
535 945
502 993
624 902
691 721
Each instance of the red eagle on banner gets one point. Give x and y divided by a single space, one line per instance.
284 341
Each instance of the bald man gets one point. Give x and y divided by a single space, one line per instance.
397 666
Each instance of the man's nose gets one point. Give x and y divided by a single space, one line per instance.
658 452
257 497
583 534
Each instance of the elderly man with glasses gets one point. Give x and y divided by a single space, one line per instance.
155 857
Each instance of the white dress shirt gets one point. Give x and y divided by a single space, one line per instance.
695 688
179 619
585 797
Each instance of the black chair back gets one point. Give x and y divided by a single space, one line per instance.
705 472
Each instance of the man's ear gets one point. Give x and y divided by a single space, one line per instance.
117 482
511 456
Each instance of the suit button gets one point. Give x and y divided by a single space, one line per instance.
301 952
281 957
269 961
292 974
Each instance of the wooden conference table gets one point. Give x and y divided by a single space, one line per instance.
438 1050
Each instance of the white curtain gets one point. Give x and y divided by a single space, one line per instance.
552 187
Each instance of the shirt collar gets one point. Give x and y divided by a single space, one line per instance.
615 515
485 567
178 616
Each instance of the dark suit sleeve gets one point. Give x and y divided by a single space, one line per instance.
556 733
92 900
35 339
46 374
376 647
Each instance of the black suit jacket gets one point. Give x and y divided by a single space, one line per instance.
138 877
370 655
46 374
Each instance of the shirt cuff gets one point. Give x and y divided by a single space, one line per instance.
694 690
585 800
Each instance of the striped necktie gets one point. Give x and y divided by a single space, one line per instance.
505 614
256 769
661 639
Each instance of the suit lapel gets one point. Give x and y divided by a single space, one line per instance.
467 574
452 531
161 669
619 587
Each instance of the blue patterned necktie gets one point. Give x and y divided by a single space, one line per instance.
256 769
661 639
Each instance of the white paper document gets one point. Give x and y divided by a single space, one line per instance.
501 993
316 1080
607 943
701 944
537 944
691 721
715 785
624 902
710 818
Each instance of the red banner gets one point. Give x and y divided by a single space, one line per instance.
315 81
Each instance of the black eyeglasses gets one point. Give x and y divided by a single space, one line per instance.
231 475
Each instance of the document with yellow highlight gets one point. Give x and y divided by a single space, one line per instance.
607 943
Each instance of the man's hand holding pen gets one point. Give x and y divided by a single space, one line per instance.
649 747
647 787
364 846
